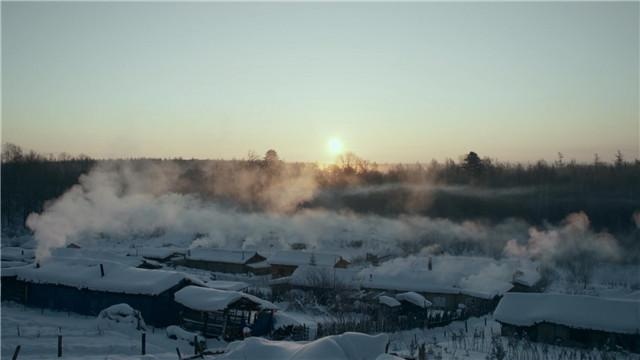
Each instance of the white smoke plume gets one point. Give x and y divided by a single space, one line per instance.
574 238
150 203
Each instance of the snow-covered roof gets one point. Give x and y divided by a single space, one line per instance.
221 255
16 254
207 299
473 276
576 311
297 258
388 300
9 264
347 346
11 271
96 254
85 274
414 298
227 285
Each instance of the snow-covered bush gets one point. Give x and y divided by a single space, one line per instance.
121 317
178 333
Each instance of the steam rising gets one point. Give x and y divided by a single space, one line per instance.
150 202
574 238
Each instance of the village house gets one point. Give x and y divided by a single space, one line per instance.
284 263
445 281
226 261
227 315
86 286
571 320
324 282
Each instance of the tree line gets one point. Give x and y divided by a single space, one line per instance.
470 188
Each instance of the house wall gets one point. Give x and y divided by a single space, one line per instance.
216 266
563 335
12 289
226 267
158 310
282 270
474 305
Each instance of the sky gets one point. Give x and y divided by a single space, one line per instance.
391 82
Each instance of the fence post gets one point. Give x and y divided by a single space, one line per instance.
144 343
15 353
195 344
59 345
179 354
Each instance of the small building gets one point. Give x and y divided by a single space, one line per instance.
387 311
571 320
284 263
440 295
224 314
86 286
323 281
414 309
445 281
226 261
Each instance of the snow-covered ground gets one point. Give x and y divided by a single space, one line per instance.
36 330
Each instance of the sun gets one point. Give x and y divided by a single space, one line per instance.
335 146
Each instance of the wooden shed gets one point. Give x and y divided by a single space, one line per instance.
445 281
226 261
86 287
224 314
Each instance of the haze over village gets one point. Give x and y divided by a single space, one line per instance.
314 181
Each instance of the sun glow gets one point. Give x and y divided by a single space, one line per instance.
335 146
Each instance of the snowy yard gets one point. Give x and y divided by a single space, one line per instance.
36 332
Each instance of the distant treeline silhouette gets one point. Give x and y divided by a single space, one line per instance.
470 188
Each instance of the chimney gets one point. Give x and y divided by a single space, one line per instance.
430 264
101 270
37 265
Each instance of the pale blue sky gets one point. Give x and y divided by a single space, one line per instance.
394 81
